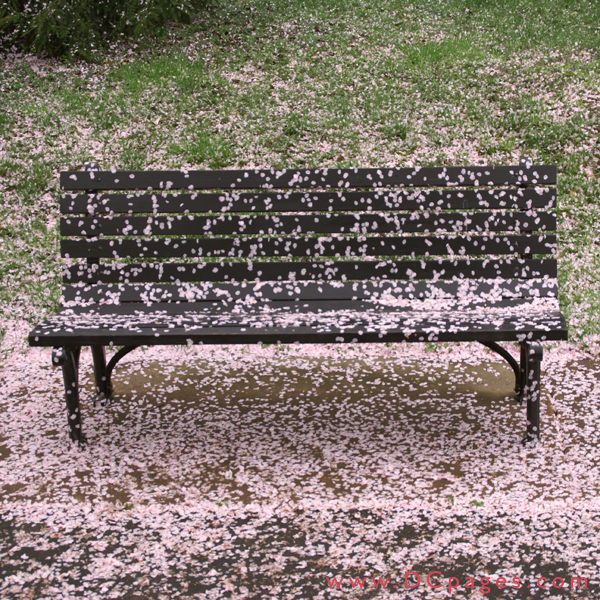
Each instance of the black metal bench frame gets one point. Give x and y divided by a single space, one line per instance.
366 213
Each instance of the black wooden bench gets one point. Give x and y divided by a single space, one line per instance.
306 256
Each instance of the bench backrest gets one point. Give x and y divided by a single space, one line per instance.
247 235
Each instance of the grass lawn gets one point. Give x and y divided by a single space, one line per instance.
335 83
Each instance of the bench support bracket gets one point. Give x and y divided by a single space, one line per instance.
507 356
103 372
68 359
531 359
527 382
103 384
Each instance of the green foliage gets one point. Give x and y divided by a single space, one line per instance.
83 28
395 131
213 150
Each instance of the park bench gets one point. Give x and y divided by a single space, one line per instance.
432 254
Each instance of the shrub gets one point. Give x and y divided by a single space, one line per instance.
85 27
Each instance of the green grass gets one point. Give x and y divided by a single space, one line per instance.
305 84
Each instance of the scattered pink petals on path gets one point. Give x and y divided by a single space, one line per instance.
262 470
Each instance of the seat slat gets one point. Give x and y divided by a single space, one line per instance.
173 309
422 199
480 290
362 325
544 327
360 246
307 271
307 224
309 178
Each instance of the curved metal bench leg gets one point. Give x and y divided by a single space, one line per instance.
68 359
532 390
507 356
103 372
523 370
103 386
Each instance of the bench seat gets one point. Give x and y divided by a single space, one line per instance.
295 322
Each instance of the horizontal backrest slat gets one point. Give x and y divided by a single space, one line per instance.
309 178
422 199
309 271
333 246
307 224
481 290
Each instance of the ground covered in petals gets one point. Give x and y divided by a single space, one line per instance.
339 83
252 472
